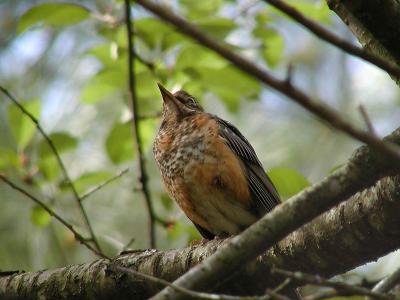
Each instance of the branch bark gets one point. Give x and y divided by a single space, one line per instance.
359 230
375 23
284 86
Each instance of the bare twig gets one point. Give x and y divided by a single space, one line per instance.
274 295
326 294
128 245
386 284
366 118
334 39
341 286
163 222
101 185
322 110
198 295
281 286
77 236
150 65
143 178
60 163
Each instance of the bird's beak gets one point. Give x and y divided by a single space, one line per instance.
170 101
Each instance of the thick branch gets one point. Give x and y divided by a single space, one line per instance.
360 230
375 23
284 86
334 39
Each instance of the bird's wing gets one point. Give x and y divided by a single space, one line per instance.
204 232
262 189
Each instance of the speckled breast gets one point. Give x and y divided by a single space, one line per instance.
176 146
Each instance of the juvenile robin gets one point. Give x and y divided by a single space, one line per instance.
210 168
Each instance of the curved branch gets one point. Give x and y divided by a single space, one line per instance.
376 24
359 230
334 39
321 110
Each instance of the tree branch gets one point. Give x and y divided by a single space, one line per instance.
388 283
359 230
104 183
60 163
334 39
321 110
376 24
52 213
143 178
337 285
363 169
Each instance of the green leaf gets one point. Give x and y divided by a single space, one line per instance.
103 84
89 180
219 28
288 181
155 33
48 164
148 129
53 14
230 84
315 10
40 217
21 125
111 56
146 84
199 9
8 158
204 58
62 142
119 143
319 10
49 168
166 201
273 44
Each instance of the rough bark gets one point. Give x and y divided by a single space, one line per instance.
375 23
359 230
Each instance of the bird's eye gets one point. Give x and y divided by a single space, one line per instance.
191 102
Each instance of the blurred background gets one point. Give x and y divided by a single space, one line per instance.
66 62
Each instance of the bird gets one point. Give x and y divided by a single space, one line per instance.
210 169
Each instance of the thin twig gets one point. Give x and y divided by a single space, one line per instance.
194 294
282 285
128 245
60 163
322 110
366 119
326 294
386 284
101 185
143 178
274 295
163 222
319 281
150 65
52 213
334 39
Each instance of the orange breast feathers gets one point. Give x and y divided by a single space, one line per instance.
221 171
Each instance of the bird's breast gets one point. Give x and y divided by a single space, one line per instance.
204 176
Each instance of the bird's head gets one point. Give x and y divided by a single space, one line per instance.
178 105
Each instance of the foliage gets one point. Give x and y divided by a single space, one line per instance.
81 58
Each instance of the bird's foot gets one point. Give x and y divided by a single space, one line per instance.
201 242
